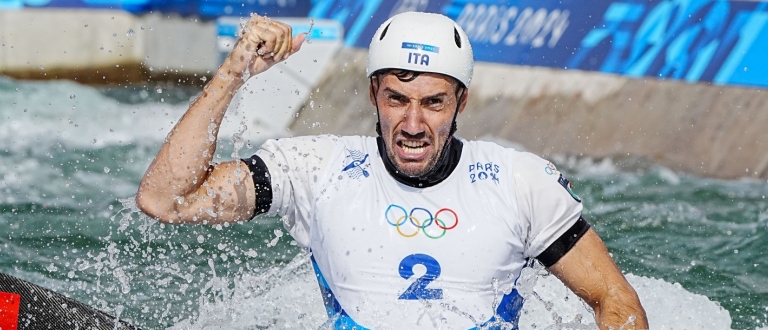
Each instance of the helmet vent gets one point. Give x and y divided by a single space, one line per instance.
456 37
383 33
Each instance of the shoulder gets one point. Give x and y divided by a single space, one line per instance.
523 167
310 144
357 141
327 140
316 148
517 159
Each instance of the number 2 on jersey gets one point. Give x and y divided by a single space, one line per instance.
418 289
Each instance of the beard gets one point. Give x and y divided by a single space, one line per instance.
410 168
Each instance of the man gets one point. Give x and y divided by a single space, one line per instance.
410 229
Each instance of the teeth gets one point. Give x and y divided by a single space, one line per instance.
409 150
413 147
413 144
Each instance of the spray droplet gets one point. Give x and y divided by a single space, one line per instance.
72 97
106 169
130 32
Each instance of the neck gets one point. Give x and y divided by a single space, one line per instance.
449 159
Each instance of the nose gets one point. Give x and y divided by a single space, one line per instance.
413 120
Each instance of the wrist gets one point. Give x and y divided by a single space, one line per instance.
228 78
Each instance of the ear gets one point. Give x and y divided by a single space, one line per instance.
372 90
463 101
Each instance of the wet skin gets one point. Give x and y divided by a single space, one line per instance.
415 118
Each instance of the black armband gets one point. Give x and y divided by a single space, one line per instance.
562 245
261 184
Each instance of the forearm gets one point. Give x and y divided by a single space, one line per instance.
622 311
181 184
185 157
589 271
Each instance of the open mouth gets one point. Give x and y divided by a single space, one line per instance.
413 147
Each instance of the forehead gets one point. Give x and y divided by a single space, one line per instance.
423 85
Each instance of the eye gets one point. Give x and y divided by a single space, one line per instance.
434 103
397 100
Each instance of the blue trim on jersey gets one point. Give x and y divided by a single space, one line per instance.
508 312
342 320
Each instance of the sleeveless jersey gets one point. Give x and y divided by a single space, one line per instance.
390 256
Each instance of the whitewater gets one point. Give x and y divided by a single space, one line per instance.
71 157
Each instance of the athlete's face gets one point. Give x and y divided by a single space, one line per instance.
415 118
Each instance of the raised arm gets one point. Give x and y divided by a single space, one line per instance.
183 185
589 271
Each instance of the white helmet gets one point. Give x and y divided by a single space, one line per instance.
422 42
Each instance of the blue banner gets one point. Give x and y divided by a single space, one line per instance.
718 41
724 42
201 8
133 6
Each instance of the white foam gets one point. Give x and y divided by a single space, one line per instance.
74 115
284 298
289 298
667 305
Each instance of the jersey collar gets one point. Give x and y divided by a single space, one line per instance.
449 159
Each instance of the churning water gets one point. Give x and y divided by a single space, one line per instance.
71 157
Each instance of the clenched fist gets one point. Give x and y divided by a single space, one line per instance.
262 43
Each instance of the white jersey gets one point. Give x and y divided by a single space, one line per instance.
390 256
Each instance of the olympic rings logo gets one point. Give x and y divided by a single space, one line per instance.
410 220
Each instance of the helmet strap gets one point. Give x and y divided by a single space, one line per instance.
459 98
376 101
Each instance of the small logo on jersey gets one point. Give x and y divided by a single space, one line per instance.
417 53
409 224
484 171
357 167
551 169
568 186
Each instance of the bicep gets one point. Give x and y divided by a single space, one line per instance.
226 195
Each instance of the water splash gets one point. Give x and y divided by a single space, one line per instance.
309 32
274 298
237 140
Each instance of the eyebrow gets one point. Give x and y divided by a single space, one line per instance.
396 93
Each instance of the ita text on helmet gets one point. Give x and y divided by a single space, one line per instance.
422 42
